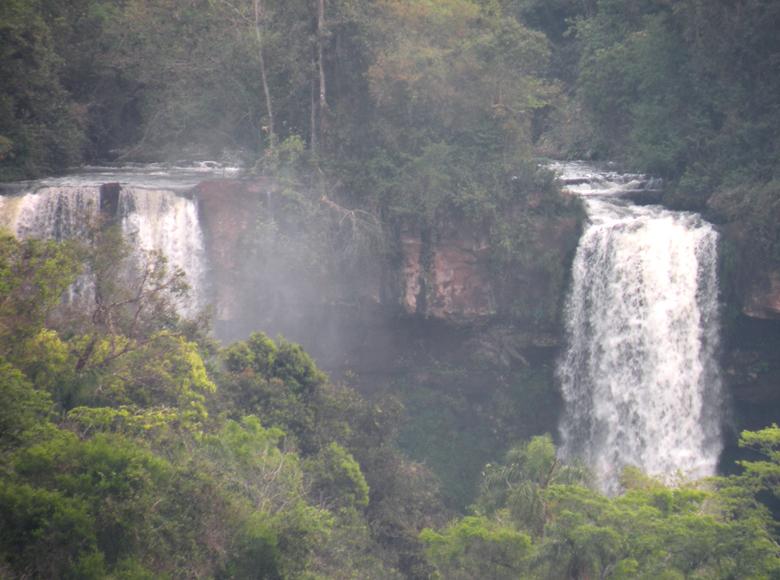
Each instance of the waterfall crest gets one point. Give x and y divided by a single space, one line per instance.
639 378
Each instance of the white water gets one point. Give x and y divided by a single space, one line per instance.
639 378
177 177
57 213
159 220
151 213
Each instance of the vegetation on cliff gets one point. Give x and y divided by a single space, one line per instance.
681 90
404 107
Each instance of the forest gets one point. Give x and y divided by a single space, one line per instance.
134 445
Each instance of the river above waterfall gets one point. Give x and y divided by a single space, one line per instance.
179 177
639 377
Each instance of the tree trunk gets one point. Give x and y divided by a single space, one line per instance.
322 101
263 75
313 140
320 50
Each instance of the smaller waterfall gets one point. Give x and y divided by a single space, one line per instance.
56 213
155 219
639 379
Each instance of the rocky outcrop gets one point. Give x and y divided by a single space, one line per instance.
446 273
751 372
750 289
465 272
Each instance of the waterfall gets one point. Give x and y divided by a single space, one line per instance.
159 220
154 219
639 377
55 213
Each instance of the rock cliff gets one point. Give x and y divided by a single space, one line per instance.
750 280
750 227
283 267
445 273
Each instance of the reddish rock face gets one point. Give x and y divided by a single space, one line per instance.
287 279
446 276
443 276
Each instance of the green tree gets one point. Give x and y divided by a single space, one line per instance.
44 533
682 91
455 87
477 547
33 276
714 529
336 478
21 407
520 482
764 472
277 381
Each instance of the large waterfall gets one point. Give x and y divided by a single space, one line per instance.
150 208
639 378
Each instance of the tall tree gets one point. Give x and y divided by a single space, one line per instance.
259 14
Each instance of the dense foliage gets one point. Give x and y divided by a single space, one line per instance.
537 518
402 106
690 91
132 447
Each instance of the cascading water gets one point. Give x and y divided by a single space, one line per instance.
640 380
159 220
56 213
150 211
